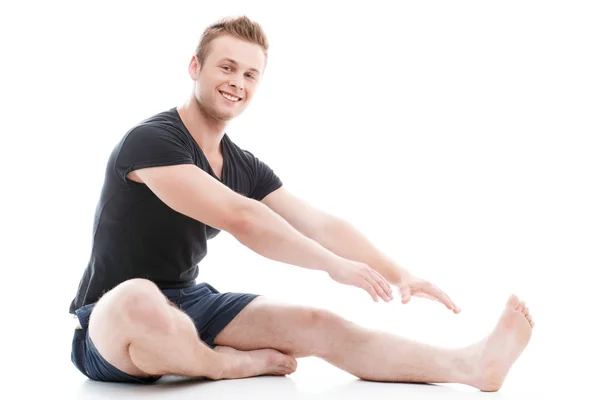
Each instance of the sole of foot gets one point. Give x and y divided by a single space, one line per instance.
497 353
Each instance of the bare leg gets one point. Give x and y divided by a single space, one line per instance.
381 356
137 330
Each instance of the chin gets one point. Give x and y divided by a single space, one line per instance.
230 114
223 116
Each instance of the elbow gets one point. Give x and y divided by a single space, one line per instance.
243 222
329 227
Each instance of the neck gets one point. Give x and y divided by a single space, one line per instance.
205 129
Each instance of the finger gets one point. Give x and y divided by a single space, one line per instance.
444 298
426 296
369 288
384 283
377 287
405 293
441 296
427 289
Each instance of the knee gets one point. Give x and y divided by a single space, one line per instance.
327 328
324 325
139 302
319 318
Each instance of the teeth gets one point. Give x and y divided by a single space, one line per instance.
228 97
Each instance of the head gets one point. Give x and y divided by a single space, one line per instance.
230 60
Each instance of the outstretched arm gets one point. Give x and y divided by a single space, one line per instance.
191 191
335 234
342 238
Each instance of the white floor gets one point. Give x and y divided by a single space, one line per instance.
314 379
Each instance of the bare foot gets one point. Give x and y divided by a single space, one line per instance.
498 352
244 364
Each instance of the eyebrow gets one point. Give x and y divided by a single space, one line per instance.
236 63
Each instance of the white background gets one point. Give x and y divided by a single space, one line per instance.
460 137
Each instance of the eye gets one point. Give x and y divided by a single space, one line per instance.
226 66
250 76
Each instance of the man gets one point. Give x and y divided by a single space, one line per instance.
176 180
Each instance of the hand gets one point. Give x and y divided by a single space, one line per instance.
410 285
358 274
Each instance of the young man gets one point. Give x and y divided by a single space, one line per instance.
176 180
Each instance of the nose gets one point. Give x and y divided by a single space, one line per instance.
237 84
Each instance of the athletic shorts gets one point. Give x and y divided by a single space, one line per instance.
210 310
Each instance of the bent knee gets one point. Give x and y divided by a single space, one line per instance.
136 286
136 302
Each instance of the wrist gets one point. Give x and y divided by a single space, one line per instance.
332 263
395 272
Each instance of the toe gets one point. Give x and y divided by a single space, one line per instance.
513 301
530 319
525 311
520 306
289 368
288 364
291 361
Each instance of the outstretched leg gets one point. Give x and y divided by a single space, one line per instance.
376 355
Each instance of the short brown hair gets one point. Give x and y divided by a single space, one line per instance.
240 27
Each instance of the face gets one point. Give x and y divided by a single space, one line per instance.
229 77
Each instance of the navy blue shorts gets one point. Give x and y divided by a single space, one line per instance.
210 310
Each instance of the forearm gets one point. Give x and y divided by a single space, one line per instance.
271 236
343 239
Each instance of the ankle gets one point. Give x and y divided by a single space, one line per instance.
468 364
230 363
217 371
464 365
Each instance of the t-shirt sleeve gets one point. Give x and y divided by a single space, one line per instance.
265 179
151 146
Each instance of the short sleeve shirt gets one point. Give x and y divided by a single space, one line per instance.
135 234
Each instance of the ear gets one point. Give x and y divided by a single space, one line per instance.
194 68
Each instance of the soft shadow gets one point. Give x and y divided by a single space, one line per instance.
180 387
271 387
359 389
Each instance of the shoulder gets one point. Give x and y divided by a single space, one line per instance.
239 155
164 125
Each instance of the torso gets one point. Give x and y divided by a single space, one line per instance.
217 166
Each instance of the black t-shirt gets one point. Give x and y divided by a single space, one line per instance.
135 234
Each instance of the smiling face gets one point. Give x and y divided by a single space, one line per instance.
229 77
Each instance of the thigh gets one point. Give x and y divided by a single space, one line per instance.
299 331
210 310
109 327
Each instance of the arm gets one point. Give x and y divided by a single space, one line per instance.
343 239
191 191
333 233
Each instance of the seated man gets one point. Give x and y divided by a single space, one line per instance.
176 180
